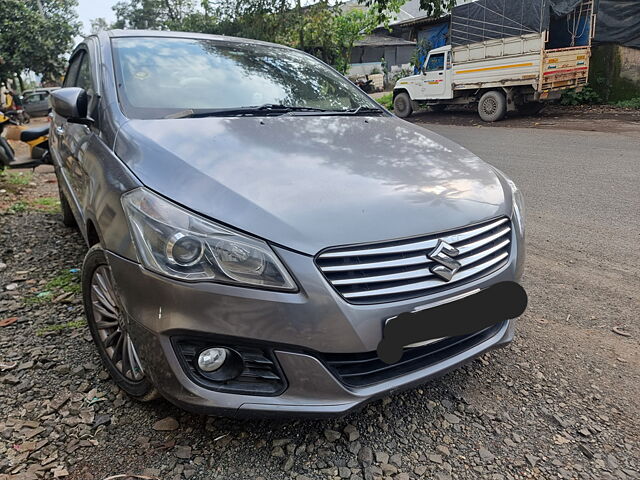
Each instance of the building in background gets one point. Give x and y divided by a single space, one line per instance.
615 59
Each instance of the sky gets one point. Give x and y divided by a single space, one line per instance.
90 9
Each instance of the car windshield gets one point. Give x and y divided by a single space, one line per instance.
160 76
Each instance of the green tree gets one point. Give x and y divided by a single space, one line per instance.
349 28
431 8
98 25
152 14
35 35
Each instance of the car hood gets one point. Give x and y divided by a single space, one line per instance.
311 182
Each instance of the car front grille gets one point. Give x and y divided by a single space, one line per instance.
363 369
399 270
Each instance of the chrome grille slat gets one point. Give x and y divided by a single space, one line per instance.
397 270
404 262
420 245
427 284
480 243
421 273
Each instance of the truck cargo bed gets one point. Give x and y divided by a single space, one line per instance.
564 68
498 62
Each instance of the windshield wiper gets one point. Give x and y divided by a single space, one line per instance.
363 110
266 109
345 111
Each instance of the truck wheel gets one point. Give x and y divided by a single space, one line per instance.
402 105
492 106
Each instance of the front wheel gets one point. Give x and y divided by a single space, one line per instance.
108 327
6 153
68 220
402 105
492 106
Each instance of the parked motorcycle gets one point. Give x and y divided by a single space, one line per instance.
19 115
37 138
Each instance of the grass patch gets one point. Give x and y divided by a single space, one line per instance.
67 281
62 326
632 103
47 204
386 101
42 297
18 207
16 178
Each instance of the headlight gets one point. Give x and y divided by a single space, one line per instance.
182 245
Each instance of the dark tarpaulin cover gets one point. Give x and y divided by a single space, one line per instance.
560 8
618 21
488 19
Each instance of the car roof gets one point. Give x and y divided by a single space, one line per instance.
446 48
199 36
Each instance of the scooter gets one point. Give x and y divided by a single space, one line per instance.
19 115
37 138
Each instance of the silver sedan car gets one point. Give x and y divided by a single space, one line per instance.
255 222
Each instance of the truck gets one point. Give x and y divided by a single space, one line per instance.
504 56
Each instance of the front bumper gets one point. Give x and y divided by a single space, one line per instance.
301 329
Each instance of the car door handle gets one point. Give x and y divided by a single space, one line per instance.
59 131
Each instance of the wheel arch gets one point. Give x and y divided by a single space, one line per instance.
397 91
92 237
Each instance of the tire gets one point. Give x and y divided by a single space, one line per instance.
531 108
37 153
108 328
492 106
6 153
68 220
402 106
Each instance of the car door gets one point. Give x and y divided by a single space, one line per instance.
433 85
71 139
36 104
31 102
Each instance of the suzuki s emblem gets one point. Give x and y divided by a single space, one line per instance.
442 255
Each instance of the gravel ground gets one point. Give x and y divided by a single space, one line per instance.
560 402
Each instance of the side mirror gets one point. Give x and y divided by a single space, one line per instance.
71 103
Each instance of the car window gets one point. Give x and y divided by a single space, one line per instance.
72 71
158 76
84 74
34 98
436 62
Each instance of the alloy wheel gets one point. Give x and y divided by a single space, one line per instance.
109 321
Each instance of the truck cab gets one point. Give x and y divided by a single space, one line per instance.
434 82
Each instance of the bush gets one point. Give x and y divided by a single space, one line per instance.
397 75
386 101
632 103
587 96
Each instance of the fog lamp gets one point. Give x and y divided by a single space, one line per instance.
212 359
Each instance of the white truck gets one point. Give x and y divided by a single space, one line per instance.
507 73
